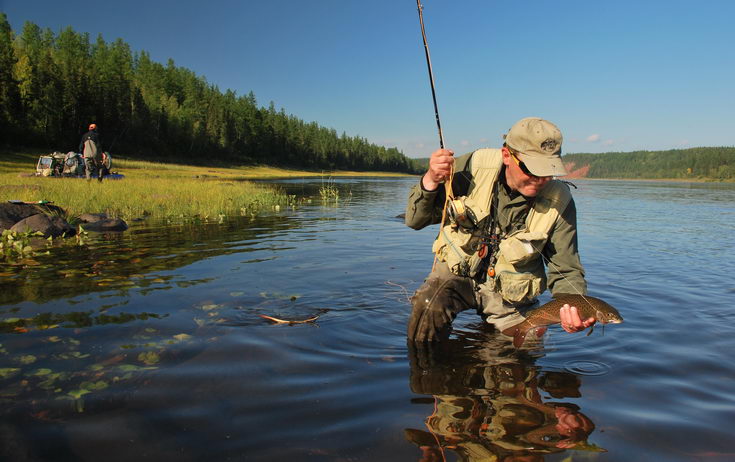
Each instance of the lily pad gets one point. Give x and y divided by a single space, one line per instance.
6 372
27 359
94 386
150 358
129 367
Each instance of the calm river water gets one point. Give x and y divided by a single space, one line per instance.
148 345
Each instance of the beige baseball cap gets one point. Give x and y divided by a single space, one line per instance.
538 144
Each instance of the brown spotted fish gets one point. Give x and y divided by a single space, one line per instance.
548 313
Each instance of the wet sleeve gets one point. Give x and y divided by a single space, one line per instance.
565 274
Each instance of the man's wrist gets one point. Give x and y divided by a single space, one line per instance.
428 184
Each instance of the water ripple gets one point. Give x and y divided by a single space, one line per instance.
586 367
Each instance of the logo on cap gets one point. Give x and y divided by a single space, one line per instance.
550 145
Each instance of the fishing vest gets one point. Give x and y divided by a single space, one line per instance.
519 275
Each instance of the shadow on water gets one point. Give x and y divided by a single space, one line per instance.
492 402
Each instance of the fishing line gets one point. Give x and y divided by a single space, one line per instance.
556 269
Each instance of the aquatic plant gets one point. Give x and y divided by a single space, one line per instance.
328 190
17 245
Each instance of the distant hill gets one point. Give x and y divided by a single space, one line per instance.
705 163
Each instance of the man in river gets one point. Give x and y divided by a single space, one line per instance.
506 218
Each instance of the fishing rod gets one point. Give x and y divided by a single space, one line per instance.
449 195
431 73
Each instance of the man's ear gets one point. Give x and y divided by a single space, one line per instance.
506 155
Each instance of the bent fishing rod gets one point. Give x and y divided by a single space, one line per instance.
449 195
431 72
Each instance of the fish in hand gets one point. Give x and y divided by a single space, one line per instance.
548 313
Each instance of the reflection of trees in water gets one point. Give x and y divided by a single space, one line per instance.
487 403
75 319
53 372
132 260
58 359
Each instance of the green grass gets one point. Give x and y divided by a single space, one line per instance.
154 189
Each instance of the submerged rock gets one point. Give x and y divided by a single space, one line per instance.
99 222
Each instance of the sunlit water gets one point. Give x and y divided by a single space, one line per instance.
149 345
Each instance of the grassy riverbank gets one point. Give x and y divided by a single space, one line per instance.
155 189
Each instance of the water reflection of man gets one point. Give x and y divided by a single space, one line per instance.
487 404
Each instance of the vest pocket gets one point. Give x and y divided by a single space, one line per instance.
519 287
522 247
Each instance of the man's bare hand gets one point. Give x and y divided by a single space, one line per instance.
570 320
440 166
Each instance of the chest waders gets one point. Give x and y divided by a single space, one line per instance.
511 265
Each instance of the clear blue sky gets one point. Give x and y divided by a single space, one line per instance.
615 75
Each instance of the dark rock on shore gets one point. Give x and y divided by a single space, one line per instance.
48 225
47 219
20 217
12 213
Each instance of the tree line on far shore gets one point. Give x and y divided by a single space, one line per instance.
708 163
705 163
52 86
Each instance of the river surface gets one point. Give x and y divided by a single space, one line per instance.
148 345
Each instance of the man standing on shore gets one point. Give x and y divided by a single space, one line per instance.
91 148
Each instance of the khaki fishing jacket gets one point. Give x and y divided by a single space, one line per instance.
525 280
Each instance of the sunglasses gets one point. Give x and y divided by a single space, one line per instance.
521 165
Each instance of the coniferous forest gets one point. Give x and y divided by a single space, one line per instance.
52 86
707 163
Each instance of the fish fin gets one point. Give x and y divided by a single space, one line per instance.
519 337
590 331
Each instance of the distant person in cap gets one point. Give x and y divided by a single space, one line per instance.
507 218
91 149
